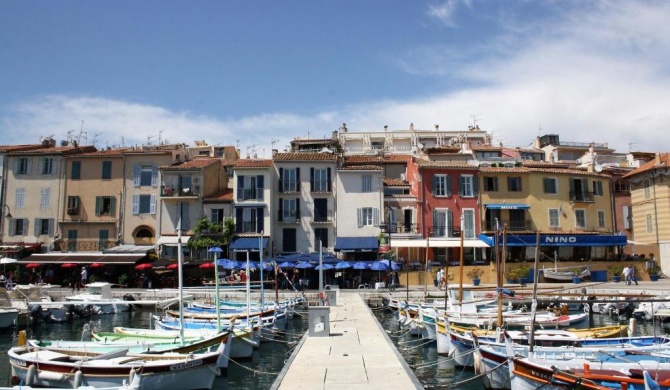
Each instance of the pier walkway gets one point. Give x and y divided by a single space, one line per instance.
358 354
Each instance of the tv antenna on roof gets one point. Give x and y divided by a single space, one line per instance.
274 141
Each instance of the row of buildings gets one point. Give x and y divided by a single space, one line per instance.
418 193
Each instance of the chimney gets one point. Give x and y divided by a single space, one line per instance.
386 128
344 127
437 127
657 159
275 152
411 126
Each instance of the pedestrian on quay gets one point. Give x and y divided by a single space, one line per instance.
625 273
631 275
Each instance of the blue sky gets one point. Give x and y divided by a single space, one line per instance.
249 72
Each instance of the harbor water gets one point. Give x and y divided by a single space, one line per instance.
257 373
434 371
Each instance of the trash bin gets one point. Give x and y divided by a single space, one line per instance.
332 297
319 321
598 276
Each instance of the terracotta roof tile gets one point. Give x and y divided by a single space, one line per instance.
504 170
664 160
360 168
221 196
196 163
393 182
545 164
100 153
446 164
555 171
486 147
248 163
442 150
63 150
389 158
305 156
13 148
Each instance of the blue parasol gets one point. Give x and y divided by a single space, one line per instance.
324 267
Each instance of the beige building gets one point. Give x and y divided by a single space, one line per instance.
140 204
35 192
650 208
90 218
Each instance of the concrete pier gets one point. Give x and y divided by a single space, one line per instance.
358 354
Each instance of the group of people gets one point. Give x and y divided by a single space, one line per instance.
79 278
629 274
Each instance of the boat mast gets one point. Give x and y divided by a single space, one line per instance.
180 264
499 276
248 289
534 302
260 265
460 286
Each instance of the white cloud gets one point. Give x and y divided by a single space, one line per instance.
445 11
592 74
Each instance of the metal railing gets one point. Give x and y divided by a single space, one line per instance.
581 196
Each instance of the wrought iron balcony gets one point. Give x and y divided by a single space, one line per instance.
581 196
322 216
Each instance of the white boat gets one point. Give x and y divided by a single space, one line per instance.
42 367
8 317
99 296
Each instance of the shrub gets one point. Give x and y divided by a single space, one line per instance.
475 273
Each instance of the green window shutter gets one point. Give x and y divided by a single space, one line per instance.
98 205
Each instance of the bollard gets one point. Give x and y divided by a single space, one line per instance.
319 321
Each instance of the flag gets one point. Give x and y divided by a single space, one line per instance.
562 212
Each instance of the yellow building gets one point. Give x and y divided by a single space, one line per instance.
650 204
558 201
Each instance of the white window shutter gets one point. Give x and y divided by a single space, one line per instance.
136 204
360 217
152 209
375 217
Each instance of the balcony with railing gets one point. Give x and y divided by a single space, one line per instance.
581 196
401 228
512 224
444 231
322 216
175 186
289 217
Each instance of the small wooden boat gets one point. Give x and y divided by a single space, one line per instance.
72 369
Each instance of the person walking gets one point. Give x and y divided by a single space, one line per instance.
625 273
631 275
84 276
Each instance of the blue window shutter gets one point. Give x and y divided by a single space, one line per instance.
36 228
51 227
12 227
475 185
329 185
30 165
260 187
112 206
375 217
98 204
16 166
152 208
436 227
360 217
297 179
136 204
261 220
461 185
281 179
136 175
448 179
154 176
25 226
240 188
433 184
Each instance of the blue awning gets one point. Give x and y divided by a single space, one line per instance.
561 240
508 206
356 244
250 244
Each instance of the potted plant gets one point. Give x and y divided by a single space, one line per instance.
123 278
518 275
616 271
475 274
655 273
576 279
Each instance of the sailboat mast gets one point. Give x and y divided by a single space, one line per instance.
180 264
499 277
260 265
460 286
533 305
